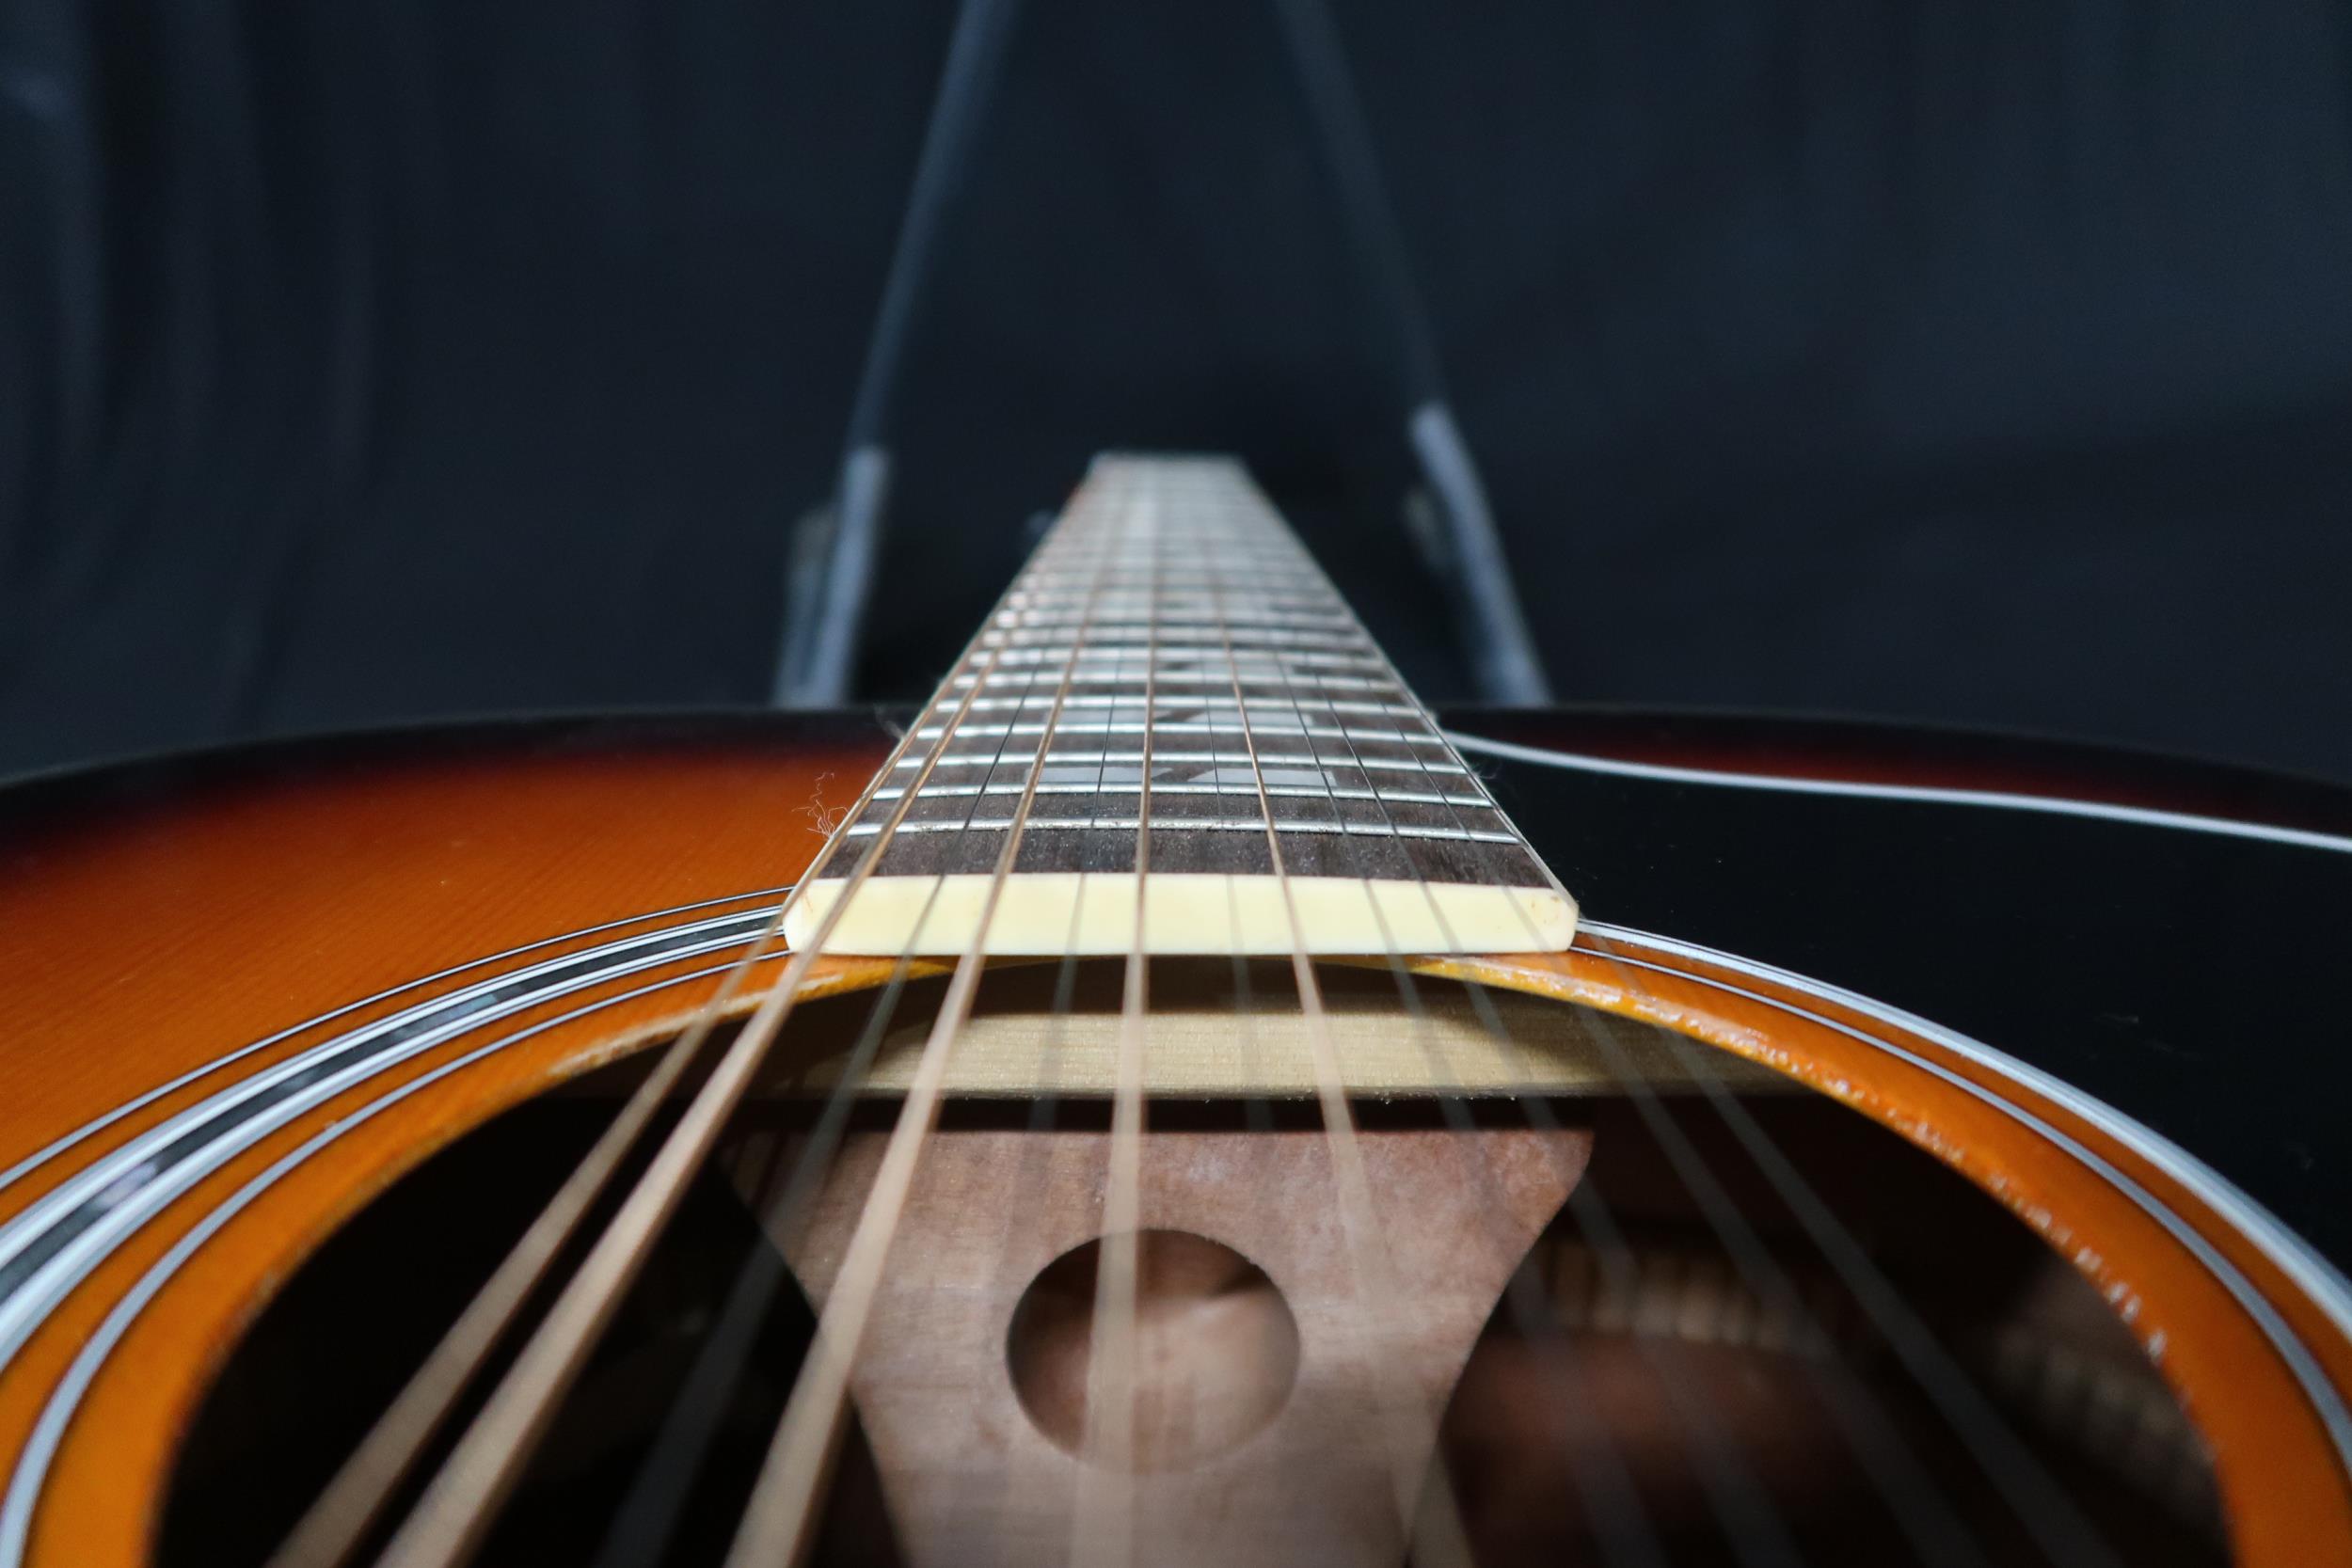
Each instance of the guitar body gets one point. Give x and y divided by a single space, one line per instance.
2104 990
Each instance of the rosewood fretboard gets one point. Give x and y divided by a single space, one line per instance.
1184 718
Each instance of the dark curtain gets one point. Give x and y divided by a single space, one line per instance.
390 360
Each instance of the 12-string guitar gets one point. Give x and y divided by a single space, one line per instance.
1164 1109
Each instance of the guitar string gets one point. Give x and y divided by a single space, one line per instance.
1744 1509
1241 708
648 1515
1918 1509
354 1499
1267 813
1751 1525
1257 1110
458 1506
1038 1154
1435 1525
1597 1469
1032 1183
780 1511
1103 1518
2041 1504
1727 1485
1910 1495
1135 959
649 1511
1916 1502
1407 1430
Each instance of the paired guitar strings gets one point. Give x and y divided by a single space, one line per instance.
458 1507
1752 1528
2040 1503
780 1513
1756 1535
1596 1469
647 1516
1411 1432
461 1503
448 1522
784 1502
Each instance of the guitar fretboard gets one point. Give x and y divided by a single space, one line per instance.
1186 726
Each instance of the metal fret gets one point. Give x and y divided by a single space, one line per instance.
1199 824
1161 786
1215 679
1164 755
1018 655
1168 628
1181 726
1263 634
1184 706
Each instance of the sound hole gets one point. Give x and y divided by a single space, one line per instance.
1635 1361
1216 1348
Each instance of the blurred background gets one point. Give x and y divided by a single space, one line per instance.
398 359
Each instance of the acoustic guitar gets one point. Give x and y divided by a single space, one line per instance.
1173 1100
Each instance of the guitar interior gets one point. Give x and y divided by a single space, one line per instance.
1681 1349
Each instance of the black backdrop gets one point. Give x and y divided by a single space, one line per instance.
396 359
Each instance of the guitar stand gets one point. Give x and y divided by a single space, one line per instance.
831 573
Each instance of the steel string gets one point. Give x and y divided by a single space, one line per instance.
779 1517
458 1506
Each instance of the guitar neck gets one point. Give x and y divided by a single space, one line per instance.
1172 718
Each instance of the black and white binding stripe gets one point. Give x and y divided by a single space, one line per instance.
103 1209
2144 817
56 1240
2312 1274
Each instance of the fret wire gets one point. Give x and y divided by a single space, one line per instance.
1375 1290
1332 618
1016 655
1444 1521
1229 759
1310 629
1420 713
1266 604
1219 680
1254 646
1093 670
1265 637
1394 828
1331 800
1204 823
1058 694
1401 738
1409 797
1262 584
1329 731
461 1499
1343 705
780 1513
1103 1518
